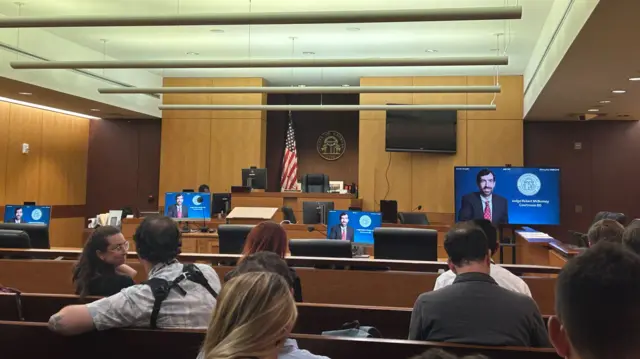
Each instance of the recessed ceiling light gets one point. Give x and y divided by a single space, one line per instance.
431 51
308 53
353 29
594 110
95 109
634 79
619 91
302 85
217 31
346 85
193 53
25 93
605 101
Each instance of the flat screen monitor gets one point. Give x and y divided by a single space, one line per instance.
421 131
38 233
316 212
358 226
27 214
516 195
221 203
256 178
183 206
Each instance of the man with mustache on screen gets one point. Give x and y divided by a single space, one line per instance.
484 204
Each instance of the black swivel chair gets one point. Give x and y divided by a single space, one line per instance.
38 233
232 237
14 239
315 183
413 218
405 244
288 215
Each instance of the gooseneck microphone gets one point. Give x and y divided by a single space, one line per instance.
417 208
314 229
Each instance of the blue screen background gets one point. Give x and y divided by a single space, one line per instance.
27 214
522 209
362 235
196 210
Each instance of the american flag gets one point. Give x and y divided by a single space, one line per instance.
290 159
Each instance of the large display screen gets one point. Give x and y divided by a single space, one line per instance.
187 205
513 195
27 214
353 226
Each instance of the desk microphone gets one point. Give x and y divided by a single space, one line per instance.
204 228
312 229
417 208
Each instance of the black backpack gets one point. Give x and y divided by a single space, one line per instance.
162 287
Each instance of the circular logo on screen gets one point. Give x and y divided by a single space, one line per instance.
529 184
196 200
331 145
365 221
36 214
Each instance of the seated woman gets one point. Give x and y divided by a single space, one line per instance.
253 318
101 271
270 237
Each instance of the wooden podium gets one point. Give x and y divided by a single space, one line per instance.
251 215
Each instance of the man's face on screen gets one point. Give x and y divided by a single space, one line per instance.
344 220
19 214
487 184
179 200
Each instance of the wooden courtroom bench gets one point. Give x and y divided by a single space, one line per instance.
27 340
355 287
313 318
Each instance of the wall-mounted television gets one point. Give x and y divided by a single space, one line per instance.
421 131
515 195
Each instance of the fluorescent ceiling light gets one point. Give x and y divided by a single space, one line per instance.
605 101
326 107
619 91
594 110
25 93
634 79
305 89
283 63
47 108
270 18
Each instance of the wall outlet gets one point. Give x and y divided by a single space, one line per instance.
25 148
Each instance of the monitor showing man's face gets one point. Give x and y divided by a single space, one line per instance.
486 184
179 200
344 219
19 213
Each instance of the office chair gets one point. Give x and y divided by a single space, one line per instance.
38 233
405 243
288 215
232 237
14 239
413 218
315 183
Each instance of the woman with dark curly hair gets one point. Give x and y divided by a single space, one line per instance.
101 269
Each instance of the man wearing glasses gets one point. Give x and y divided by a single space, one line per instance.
190 290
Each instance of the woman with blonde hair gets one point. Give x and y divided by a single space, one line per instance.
253 318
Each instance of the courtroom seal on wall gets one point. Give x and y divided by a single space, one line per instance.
331 145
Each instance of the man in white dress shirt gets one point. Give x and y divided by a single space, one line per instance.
503 277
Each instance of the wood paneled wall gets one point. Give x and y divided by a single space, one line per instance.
54 172
210 146
485 138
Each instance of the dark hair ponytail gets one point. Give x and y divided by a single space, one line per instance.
89 265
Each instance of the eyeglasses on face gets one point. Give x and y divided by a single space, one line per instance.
122 247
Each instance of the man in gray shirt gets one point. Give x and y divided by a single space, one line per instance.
475 309
188 304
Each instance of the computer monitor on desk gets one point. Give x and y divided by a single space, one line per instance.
253 177
221 203
316 212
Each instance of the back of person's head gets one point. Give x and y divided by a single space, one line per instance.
631 236
263 262
605 230
597 309
437 353
490 231
466 243
254 314
157 239
266 236
90 264
203 188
